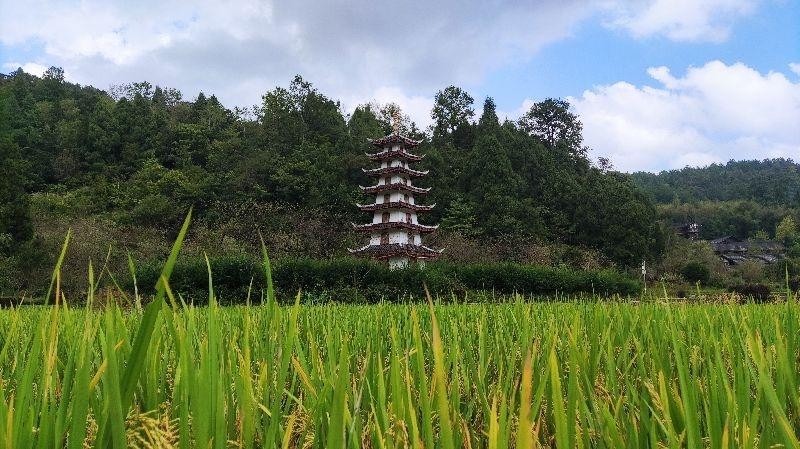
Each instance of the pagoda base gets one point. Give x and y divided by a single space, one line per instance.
399 262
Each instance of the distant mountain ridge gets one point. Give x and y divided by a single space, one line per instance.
769 182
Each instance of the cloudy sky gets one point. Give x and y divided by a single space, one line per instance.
659 84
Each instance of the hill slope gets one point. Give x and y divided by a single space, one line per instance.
771 181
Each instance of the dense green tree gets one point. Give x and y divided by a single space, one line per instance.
452 109
282 120
552 122
696 272
494 188
461 217
15 220
364 124
489 122
615 218
786 229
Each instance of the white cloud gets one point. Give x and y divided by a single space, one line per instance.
795 67
516 113
27 67
348 48
711 114
680 20
238 49
354 50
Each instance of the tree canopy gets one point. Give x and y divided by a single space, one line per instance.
143 154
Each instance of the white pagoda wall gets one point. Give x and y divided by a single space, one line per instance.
394 179
394 163
393 197
395 216
400 236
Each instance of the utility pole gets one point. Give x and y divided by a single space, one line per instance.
644 275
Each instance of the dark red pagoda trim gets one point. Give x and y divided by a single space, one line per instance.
395 138
397 250
379 188
394 225
394 170
395 205
392 154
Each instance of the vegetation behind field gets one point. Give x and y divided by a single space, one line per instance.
122 167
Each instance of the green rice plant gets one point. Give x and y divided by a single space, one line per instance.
513 373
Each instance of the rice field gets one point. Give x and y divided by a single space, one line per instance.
511 375
589 374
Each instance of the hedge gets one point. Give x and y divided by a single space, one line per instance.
356 280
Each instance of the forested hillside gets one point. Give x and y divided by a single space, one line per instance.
772 181
741 198
123 168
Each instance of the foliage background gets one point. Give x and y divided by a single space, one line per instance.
121 167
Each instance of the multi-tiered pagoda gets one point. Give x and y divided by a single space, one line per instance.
395 233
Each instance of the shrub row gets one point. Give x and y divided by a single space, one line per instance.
355 280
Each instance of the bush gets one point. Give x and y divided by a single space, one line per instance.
231 277
696 272
756 292
751 271
355 280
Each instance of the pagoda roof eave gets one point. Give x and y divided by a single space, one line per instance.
395 186
369 227
395 205
391 154
397 249
392 170
395 138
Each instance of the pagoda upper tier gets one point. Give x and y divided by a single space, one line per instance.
395 139
391 154
396 170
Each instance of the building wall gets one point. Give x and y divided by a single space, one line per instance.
394 163
395 196
396 236
395 216
394 179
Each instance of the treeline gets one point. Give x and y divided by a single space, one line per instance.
739 218
746 199
141 155
769 182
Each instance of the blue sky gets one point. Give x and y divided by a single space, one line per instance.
658 84
767 41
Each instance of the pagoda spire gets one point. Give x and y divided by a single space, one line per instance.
396 120
395 234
